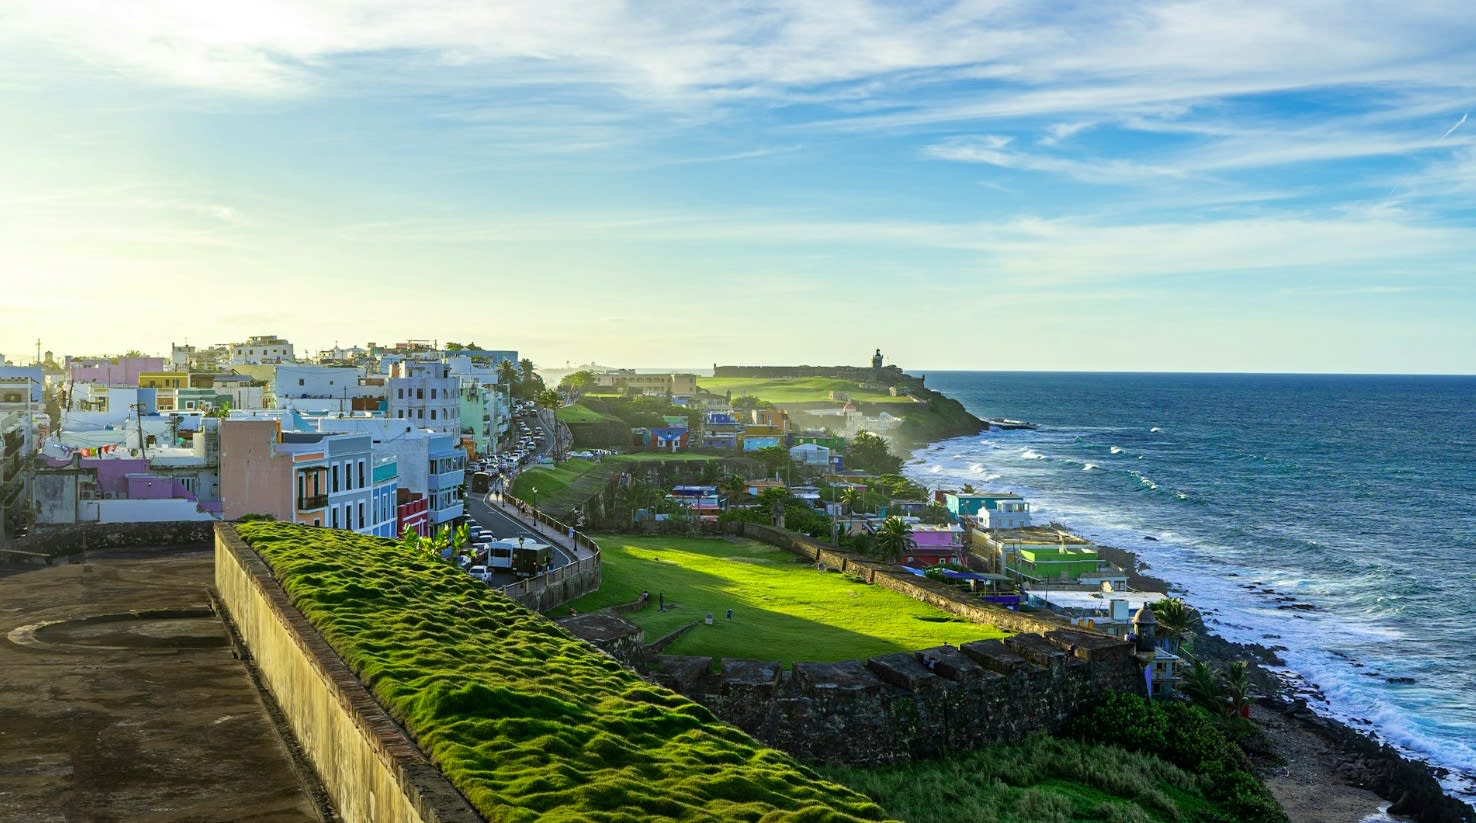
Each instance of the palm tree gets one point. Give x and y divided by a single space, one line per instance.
968 488
507 373
733 486
852 500
526 367
1176 621
1237 687
893 539
1201 685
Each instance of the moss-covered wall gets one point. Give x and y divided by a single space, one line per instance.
371 770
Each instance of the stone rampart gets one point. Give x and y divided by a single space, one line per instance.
54 544
910 705
370 768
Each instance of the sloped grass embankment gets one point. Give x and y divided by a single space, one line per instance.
782 609
525 721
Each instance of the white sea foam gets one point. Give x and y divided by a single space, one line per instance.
977 468
1116 449
1088 467
1031 454
1155 429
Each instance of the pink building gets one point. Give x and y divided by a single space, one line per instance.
111 371
934 545
254 478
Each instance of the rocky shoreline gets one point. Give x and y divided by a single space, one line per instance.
1319 768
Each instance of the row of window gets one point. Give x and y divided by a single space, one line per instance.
420 414
419 393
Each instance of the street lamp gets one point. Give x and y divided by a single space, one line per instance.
534 489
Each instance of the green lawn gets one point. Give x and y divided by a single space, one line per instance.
560 487
663 457
582 414
782 609
795 389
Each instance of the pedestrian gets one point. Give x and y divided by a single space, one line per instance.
730 614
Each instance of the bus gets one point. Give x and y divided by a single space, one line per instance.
531 559
481 482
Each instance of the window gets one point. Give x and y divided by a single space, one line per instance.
361 515
433 394
334 513
361 474
301 382
420 394
433 414
317 522
420 413
402 393
335 488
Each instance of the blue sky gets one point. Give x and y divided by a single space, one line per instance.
1179 186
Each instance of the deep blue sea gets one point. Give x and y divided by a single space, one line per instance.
1352 495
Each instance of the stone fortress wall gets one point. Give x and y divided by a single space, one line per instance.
910 705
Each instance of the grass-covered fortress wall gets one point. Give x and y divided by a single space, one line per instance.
524 721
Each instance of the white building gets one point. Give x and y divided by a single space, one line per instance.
427 396
428 463
261 349
320 390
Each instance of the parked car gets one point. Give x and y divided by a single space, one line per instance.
479 572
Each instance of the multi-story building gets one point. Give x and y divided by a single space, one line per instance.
111 371
261 349
325 390
426 395
992 510
627 380
428 463
313 478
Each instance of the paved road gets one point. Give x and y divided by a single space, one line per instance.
508 527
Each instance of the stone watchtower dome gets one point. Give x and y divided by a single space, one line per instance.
1146 626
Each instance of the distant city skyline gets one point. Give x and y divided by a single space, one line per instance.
1165 186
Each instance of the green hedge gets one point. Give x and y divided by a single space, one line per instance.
526 722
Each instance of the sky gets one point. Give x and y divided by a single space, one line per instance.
1149 186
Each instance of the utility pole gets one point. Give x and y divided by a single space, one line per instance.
138 412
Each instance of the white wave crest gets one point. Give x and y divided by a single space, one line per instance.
1155 429
1116 449
1088 467
1031 454
976 468
936 468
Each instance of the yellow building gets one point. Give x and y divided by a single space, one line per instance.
163 380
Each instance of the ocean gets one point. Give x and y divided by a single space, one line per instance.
1330 517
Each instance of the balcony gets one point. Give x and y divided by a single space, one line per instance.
311 502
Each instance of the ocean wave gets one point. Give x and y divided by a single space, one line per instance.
977 468
1155 429
1116 450
1031 454
1089 466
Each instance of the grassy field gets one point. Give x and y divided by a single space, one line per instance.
782 609
796 389
1038 780
581 414
664 457
561 487
528 723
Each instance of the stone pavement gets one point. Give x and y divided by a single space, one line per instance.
106 716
